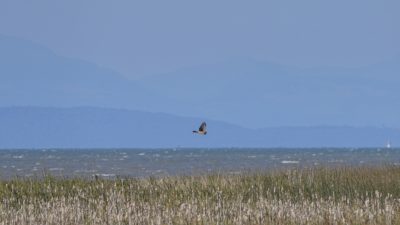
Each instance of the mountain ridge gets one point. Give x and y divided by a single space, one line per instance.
245 92
92 127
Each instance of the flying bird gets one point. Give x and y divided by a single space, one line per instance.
202 129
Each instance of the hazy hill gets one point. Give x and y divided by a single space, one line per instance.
83 127
244 92
34 75
259 94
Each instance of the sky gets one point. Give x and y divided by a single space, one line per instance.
142 38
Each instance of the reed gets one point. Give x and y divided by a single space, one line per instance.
369 195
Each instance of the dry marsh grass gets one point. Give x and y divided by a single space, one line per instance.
295 196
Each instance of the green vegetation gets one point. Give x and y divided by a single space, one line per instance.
295 196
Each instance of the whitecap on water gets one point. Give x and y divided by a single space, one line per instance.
105 174
235 172
289 162
142 153
18 156
85 171
336 161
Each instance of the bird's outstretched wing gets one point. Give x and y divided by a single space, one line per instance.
203 127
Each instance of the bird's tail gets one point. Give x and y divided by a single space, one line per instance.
195 131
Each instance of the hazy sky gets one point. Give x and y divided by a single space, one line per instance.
139 38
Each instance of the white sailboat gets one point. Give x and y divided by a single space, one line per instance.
388 144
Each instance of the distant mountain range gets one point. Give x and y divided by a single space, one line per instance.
34 75
89 127
244 92
258 94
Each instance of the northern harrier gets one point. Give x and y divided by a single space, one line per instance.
202 129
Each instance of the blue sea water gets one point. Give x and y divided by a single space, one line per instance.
109 163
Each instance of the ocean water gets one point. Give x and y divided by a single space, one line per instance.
109 163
